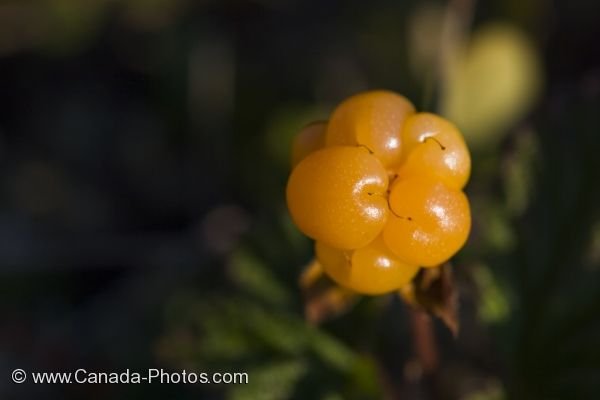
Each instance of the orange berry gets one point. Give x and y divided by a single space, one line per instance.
372 269
309 139
433 146
373 119
429 221
338 195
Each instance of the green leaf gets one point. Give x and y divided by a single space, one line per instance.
493 306
255 278
270 382
281 332
284 124
330 350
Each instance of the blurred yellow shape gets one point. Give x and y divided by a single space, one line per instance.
490 84
311 274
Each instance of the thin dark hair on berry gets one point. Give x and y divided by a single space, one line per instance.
434 139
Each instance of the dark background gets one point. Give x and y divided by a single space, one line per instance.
144 150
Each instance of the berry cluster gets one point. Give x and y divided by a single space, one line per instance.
379 187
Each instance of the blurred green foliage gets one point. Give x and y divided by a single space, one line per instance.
257 333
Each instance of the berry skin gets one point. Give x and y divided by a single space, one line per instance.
373 119
429 221
308 140
372 269
433 147
337 195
